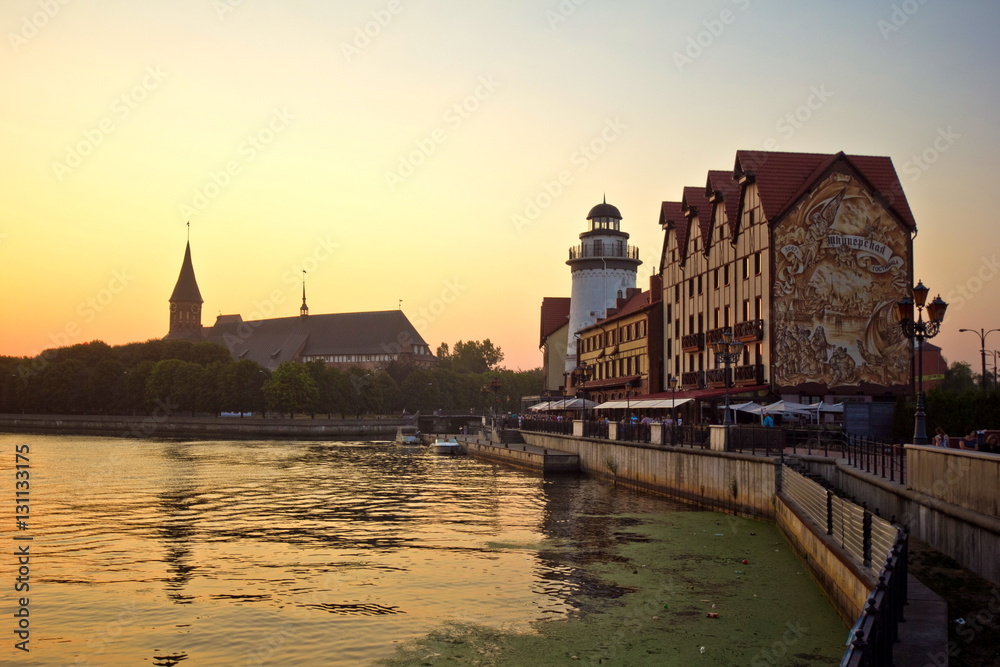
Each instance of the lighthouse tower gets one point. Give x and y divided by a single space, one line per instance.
603 267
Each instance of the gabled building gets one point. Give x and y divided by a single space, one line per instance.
553 339
623 352
802 256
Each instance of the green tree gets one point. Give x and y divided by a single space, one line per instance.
291 389
174 384
106 387
475 356
245 387
213 386
958 378
136 379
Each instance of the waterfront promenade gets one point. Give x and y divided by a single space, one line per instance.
721 479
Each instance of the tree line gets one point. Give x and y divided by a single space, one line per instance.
957 404
202 378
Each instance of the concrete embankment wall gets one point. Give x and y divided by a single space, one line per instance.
520 457
942 487
736 483
248 428
847 585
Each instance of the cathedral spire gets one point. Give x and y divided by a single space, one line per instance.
304 310
185 301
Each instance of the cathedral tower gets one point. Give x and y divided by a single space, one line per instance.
603 267
185 304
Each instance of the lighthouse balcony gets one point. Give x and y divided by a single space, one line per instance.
604 251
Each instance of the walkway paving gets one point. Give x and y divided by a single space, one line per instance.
923 638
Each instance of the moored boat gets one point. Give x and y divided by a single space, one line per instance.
449 446
407 435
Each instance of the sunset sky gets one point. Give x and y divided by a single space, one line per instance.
388 147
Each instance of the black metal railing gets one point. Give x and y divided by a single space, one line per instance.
562 427
868 541
879 458
818 440
595 429
876 630
633 432
610 250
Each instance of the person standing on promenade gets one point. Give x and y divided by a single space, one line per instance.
768 421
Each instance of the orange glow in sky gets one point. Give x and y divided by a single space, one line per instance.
447 153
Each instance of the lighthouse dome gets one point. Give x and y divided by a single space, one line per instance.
604 210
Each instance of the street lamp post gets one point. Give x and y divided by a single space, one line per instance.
495 385
727 352
920 331
580 376
672 381
982 333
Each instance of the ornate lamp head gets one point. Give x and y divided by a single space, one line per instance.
904 310
920 294
936 309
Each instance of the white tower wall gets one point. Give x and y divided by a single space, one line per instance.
594 291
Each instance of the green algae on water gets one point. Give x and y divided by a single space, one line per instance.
675 571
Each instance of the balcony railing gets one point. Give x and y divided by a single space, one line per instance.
749 374
749 331
693 342
693 379
609 251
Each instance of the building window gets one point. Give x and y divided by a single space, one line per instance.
699 284
725 275
701 323
758 308
690 324
677 292
746 310
728 321
715 319
758 352
756 264
746 267
753 216
691 287
716 279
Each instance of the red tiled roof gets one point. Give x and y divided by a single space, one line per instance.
783 178
555 314
723 183
633 305
672 217
695 203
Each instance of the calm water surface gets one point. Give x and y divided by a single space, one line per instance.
284 553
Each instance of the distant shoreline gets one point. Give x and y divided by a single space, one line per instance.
162 426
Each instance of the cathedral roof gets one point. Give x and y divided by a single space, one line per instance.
186 289
273 342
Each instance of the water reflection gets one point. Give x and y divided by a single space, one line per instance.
332 551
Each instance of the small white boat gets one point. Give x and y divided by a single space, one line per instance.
449 446
407 435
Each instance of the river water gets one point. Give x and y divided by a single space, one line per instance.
167 553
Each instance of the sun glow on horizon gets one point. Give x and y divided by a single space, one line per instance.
397 165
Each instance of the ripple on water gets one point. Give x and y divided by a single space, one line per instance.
323 553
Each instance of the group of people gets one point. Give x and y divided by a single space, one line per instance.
969 441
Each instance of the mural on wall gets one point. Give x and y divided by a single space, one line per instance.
840 265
